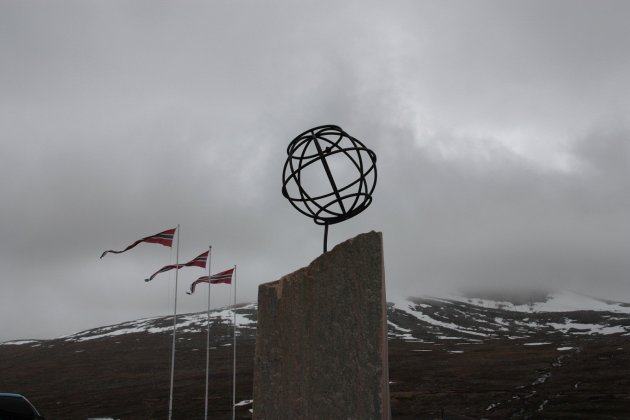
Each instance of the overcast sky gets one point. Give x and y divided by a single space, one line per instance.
502 131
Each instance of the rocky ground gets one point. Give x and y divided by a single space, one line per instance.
585 378
127 377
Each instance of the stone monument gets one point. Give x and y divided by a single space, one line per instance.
321 343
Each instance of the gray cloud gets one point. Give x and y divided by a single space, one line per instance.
501 132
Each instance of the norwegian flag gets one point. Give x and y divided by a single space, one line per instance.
199 261
224 277
163 238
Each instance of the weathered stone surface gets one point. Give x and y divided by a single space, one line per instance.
321 344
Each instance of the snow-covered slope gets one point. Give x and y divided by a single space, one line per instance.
427 319
474 319
244 315
221 321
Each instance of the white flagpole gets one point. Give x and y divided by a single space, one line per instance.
205 413
234 351
170 398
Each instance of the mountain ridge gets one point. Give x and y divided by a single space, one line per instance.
558 312
448 357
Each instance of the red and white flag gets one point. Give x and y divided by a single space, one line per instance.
163 238
199 261
224 277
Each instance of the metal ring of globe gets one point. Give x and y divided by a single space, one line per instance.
341 202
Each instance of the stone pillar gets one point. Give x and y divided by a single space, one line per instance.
321 342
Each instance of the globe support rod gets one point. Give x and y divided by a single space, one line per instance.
325 238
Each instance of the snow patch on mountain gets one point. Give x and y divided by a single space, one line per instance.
581 328
555 302
416 310
19 342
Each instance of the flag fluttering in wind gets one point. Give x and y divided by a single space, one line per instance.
199 261
224 277
163 238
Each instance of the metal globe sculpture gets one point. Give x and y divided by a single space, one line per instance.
329 175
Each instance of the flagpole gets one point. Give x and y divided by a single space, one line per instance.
234 351
170 398
205 414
